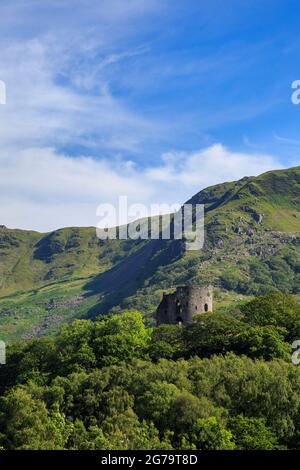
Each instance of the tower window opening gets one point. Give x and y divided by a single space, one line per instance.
178 308
206 307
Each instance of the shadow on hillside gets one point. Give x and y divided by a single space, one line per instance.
123 280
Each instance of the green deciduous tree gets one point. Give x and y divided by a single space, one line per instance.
209 434
252 434
27 424
275 309
120 338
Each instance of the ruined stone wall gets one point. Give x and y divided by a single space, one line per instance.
182 305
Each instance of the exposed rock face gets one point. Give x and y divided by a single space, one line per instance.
182 305
70 302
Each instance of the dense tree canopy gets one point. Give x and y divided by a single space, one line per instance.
224 382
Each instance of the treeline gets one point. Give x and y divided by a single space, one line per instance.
225 382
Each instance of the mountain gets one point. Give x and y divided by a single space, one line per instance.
252 246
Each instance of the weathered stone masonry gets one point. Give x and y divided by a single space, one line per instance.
182 305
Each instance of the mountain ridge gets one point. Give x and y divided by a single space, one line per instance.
252 240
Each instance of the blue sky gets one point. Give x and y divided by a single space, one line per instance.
154 99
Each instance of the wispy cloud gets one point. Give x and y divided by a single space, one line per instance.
43 109
287 140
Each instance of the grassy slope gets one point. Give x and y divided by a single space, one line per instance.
251 247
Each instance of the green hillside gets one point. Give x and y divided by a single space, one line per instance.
252 246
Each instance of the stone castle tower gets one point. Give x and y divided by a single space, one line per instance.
182 305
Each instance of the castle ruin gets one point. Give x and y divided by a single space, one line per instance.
181 306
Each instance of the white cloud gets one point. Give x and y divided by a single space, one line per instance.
43 190
215 164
